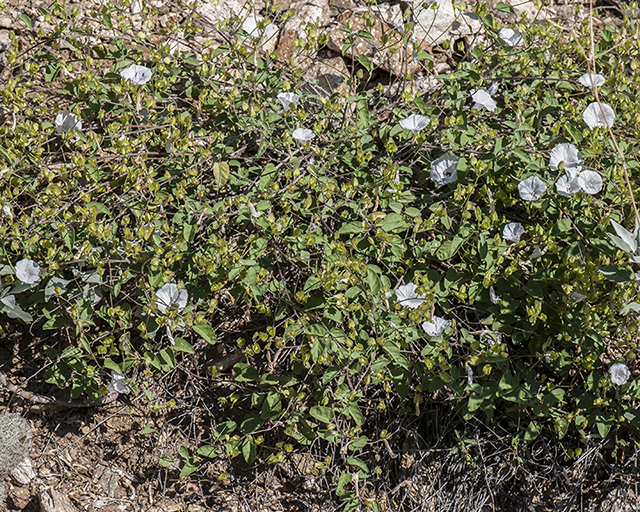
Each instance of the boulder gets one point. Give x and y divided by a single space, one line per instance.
315 12
386 50
440 21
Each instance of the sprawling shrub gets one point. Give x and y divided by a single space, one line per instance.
373 260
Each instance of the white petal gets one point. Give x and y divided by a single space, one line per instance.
493 296
444 169
566 186
537 252
250 26
483 99
169 296
137 75
568 154
415 122
303 134
510 36
591 80
287 98
407 296
595 116
28 271
67 121
437 327
118 384
532 188
619 373
493 88
590 182
513 231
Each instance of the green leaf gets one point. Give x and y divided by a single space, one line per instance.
207 333
344 479
221 173
245 372
189 231
632 306
249 450
108 363
394 351
26 20
165 461
354 461
208 451
366 63
181 345
616 274
351 228
393 222
225 428
532 432
17 312
189 467
502 7
321 413
355 412
252 423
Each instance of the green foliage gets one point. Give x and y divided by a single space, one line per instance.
194 178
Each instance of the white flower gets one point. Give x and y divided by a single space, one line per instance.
532 188
287 98
568 154
437 327
537 252
510 36
6 209
483 99
169 297
493 296
400 26
118 384
28 271
591 80
566 186
619 373
254 213
595 116
303 134
513 231
590 182
415 122
137 75
407 296
493 88
469 374
250 26
444 169
67 121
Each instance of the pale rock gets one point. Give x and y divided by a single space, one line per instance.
54 501
529 10
224 10
434 26
23 473
393 56
314 12
324 75
5 40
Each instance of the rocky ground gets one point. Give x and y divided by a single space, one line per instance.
107 458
